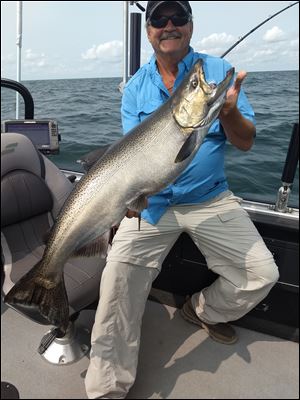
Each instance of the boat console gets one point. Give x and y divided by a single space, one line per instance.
43 133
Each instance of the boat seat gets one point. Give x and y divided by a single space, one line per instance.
33 191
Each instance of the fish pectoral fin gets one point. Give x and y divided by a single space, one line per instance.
138 204
98 246
89 159
187 148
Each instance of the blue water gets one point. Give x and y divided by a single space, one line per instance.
88 115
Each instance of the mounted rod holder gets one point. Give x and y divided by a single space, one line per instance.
292 157
289 172
135 42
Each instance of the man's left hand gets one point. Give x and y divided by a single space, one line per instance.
233 94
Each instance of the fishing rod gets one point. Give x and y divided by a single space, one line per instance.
254 29
137 62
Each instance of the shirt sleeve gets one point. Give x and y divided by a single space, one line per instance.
129 109
245 107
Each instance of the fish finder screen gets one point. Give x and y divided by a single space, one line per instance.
38 133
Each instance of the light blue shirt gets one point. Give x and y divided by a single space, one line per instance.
204 178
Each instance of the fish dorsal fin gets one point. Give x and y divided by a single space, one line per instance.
187 148
98 246
89 159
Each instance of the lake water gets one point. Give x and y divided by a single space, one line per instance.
88 115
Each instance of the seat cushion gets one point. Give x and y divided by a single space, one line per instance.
18 152
33 191
23 196
23 247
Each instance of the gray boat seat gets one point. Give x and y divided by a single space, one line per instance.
33 191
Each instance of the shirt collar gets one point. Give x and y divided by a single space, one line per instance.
187 61
184 66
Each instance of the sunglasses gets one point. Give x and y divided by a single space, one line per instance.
162 22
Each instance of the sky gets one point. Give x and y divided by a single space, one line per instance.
84 39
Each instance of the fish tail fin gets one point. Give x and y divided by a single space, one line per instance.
41 299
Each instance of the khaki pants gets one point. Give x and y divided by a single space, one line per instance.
233 248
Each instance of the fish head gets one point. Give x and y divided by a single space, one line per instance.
196 103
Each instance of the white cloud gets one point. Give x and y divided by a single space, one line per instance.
109 52
217 38
8 59
294 44
251 54
263 53
215 43
34 60
32 63
274 34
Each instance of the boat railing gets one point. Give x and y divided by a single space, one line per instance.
24 92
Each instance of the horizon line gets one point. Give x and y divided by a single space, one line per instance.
119 77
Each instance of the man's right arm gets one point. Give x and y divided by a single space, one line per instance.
130 119
129 112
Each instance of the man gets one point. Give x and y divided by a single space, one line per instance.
198 203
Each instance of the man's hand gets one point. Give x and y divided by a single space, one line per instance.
132 214
233 94
239 130
135 214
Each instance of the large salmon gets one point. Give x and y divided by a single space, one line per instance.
142 163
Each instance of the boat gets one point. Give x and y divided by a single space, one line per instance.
177 360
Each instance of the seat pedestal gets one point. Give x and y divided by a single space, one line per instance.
69 348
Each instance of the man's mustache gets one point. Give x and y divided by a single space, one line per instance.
170 35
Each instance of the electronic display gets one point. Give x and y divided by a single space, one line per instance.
43 133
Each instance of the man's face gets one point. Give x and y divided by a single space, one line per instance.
170 39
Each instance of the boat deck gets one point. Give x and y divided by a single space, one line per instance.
177 361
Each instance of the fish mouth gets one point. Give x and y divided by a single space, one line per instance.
212 114
223 86
196 103
217 100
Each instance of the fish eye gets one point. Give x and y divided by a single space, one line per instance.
194 83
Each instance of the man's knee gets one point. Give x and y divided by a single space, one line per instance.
271 273
260 262
268 273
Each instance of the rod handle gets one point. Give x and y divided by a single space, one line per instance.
292 157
